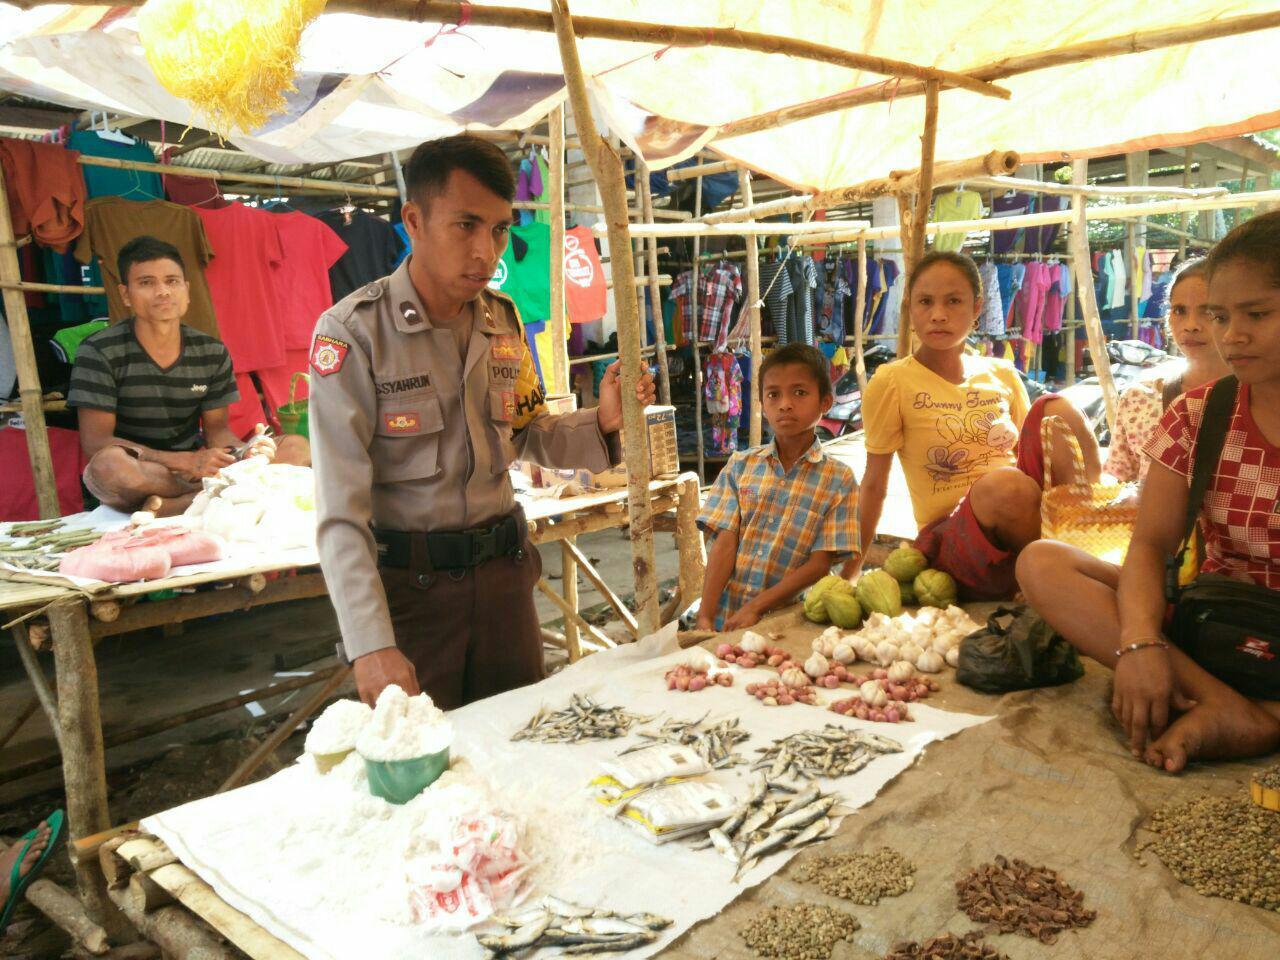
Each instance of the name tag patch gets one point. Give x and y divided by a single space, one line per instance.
404 385
506 348
503 372
407 422
328 355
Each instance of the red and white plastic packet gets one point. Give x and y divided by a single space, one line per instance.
478 872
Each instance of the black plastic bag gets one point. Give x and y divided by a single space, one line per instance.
1016 651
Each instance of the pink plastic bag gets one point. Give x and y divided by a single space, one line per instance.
116 564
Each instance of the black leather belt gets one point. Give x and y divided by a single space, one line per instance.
450 549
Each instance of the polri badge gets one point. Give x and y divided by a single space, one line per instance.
328 354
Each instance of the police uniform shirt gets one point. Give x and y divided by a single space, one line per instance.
410 438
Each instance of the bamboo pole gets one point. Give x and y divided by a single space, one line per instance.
752 263
39 683
1184 223
904 316
32 286
995 163
696 327
736 229
924 190
569 586
1135 276
559 318
268 179
1078 241
589 571
570 613
703 170
24 358
860 355
689 544
651 270
1009 67
606 167
1088 190
1069 333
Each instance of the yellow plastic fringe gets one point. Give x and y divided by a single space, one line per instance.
232 60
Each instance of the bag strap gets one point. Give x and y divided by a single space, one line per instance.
1210 437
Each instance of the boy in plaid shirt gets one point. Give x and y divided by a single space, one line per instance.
782 513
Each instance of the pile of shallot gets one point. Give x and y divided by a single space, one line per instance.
778 693
753 651
690 678
883 694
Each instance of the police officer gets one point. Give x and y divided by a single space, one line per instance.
423 393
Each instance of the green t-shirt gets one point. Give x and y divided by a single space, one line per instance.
542 216
524 272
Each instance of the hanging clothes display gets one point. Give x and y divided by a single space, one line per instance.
111 222
1040 239
46 191
1032 293
1055 298
373 250
885 320
586 298
723 289
113 181
953 205
524 272
804 278
991 322
1118 288
1012 204
775 287
722 388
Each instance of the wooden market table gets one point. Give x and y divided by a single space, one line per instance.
77 620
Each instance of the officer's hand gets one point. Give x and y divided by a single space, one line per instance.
609 412
377 670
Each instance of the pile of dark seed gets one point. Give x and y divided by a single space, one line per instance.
804 931
861 877
1019 898
970 946
1222 847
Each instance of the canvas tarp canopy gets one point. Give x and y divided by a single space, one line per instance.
367 85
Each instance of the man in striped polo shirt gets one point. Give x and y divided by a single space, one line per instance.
153 393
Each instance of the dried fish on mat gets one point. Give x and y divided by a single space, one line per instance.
775 817
833 751
577 930
582 720
714 744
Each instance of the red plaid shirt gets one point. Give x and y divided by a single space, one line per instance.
718 290
1242 525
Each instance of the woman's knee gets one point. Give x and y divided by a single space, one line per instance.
1003 495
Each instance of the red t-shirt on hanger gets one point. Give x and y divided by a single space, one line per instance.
310 249
244 279
584 290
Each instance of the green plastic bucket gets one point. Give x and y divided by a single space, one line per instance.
399 781
293 415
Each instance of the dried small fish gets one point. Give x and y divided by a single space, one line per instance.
758 818
802 818
833 751
720 840
577 929
801 800
714 744
815 831
582 720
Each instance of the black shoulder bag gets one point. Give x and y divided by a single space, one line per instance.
1229 627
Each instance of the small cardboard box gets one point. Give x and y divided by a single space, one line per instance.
664 457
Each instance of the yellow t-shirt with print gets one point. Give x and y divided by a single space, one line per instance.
946 434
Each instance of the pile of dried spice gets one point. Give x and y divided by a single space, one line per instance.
804 931
1019 898
948 946
1222 847
861 877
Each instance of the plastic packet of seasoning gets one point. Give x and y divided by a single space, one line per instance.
659 762
678 809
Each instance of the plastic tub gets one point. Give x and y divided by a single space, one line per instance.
399 781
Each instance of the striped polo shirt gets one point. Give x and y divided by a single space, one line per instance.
158 408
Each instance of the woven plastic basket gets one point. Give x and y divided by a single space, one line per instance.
1096 517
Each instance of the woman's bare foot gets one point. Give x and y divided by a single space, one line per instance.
10 856
1222 729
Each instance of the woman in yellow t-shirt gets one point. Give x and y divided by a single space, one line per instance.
967 437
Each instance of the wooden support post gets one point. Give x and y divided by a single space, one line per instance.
651 270
559 318
693 325
39 683
689 545
623 611
1069 331
569 586
83 764
282 733
24 358
753 315
606 167
905 218
859 298
1184 219
924 195
1078 240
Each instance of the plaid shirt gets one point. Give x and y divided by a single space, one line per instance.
718 290
781 518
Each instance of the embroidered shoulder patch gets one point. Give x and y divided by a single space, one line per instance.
506 348
328 354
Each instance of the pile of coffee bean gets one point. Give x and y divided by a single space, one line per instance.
1222 847
948 946
1019 898
804 931
1270 777
861 877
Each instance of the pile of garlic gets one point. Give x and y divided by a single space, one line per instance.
926 640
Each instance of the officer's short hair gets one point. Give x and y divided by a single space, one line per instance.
143 250
802 355
429 167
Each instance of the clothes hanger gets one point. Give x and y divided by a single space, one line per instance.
347 209
106 133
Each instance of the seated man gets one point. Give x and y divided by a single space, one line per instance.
782 513
153 394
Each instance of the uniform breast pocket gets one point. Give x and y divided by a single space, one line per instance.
502 411
406 441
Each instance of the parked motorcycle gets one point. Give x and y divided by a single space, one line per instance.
1132 361
845 415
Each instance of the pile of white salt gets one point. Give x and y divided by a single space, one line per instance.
404 728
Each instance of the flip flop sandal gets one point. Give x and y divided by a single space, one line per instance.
18 883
